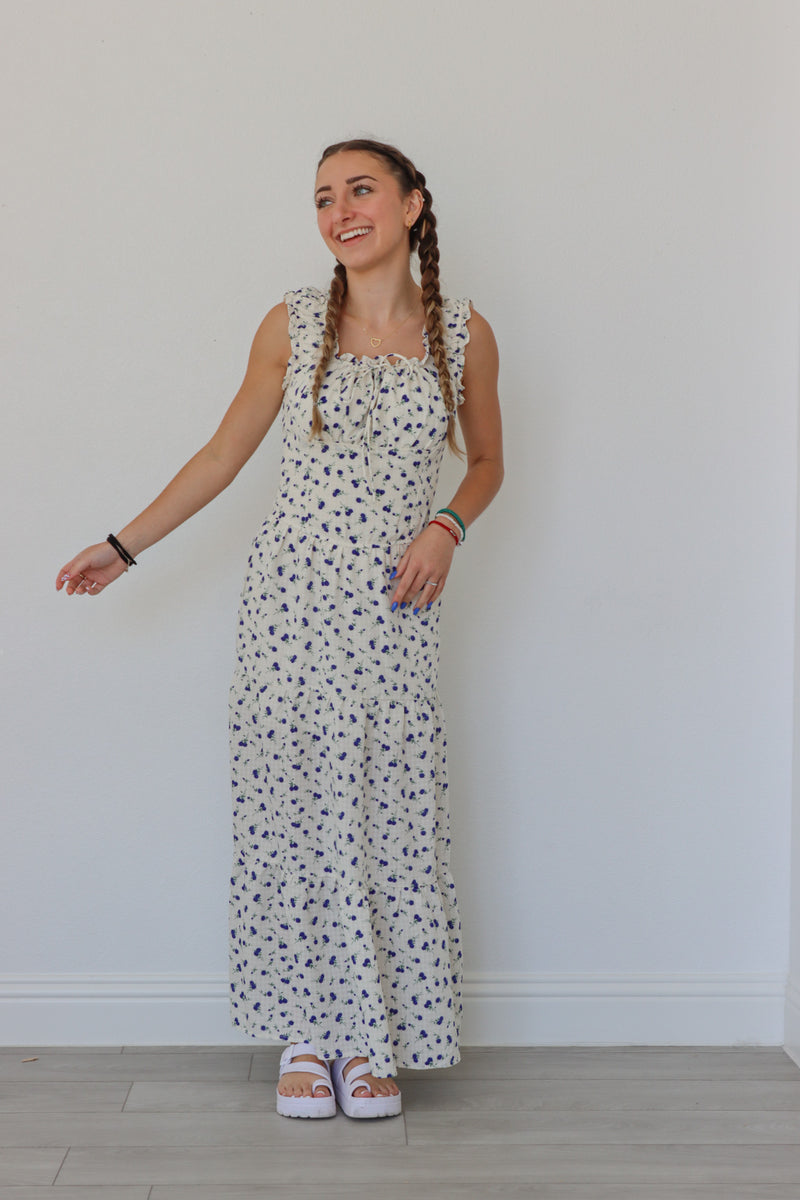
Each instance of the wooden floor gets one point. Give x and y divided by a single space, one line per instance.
199 1123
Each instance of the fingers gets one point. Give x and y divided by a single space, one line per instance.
418 587
91 571
419 592
431 591
79 583
72 577
422 571
76 584
69 579
63 576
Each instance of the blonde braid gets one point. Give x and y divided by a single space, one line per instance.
336 295
422 237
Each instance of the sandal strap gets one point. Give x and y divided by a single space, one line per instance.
292 1050
351 1080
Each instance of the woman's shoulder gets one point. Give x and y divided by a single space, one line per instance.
310 300
455 315
469 340
464 323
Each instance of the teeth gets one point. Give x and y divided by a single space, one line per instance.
351 233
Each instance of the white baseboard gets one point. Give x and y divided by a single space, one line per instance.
510 1009
791 1037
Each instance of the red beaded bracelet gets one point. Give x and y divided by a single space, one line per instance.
452 532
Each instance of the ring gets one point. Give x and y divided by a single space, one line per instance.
430 583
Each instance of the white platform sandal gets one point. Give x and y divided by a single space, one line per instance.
360 1106
306 1106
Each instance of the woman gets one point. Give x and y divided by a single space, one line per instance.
345 930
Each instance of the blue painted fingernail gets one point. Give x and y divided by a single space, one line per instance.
416 610
430 602
394 606
394 572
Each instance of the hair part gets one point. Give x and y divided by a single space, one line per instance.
423 239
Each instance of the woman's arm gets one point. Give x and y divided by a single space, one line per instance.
430 554
209 472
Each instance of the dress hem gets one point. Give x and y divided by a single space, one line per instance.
400 1062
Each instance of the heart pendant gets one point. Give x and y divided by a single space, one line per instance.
375 341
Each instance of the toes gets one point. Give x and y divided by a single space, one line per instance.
376 1090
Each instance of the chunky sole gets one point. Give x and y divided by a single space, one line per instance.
306 1106
373 1106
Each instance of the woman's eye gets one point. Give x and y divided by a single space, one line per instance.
360 189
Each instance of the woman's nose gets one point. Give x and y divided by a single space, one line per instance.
341 210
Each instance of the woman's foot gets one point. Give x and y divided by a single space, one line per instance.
361 1094
372 1085
300 1083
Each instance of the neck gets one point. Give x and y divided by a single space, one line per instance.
381 296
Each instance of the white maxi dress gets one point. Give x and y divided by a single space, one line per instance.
344 922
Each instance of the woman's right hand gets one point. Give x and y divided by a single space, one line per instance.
91 571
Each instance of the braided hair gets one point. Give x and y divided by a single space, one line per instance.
423 239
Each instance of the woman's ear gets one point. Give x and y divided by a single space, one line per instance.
415 204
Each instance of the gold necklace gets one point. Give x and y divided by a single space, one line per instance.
378 341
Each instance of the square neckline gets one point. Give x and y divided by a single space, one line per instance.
348 356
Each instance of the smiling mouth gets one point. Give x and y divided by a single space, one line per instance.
350 234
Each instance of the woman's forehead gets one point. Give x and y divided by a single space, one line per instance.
348 164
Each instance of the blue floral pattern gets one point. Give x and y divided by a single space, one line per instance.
344 922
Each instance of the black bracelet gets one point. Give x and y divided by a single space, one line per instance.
127 558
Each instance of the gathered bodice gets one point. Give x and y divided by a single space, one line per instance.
375 467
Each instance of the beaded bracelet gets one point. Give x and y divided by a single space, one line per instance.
449 524
127 558
442 525
456 517
457 530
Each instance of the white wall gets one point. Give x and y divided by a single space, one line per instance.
616 190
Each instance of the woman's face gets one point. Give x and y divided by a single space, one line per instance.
361 213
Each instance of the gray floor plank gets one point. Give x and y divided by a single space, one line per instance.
245 1048
617 1063
464 1095
589 1062
425 1167
228 1130
134 1192
465 1191
93 1067
27 1051
489 1096
63 1097
202 1096
597 1128
30 1165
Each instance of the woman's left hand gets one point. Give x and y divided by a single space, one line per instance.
423 569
